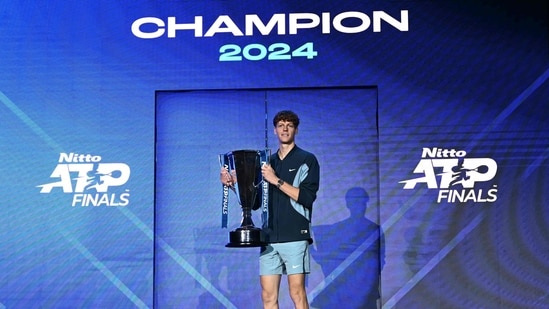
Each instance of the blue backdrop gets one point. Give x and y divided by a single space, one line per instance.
430 113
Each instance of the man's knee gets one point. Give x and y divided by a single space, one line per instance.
268 296
298 293
297 290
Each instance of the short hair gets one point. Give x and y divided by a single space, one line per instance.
286 115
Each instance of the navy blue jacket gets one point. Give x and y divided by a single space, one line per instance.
290 220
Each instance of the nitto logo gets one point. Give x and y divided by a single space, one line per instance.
449 169
89 180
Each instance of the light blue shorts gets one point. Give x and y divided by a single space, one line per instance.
285 258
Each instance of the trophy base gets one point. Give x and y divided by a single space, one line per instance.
246 236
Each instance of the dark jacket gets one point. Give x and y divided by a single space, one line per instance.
291 220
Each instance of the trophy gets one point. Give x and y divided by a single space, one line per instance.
252 193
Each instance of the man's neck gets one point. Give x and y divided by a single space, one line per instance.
284 149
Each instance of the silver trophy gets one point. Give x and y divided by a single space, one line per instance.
251 191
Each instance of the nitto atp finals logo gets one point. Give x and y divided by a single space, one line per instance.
458 175
89 179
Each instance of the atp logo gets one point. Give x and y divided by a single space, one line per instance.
449 170
89 180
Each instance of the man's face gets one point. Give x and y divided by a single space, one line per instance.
285 131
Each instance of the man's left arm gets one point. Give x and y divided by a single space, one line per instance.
270 175
305 194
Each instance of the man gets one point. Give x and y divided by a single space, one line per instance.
293 175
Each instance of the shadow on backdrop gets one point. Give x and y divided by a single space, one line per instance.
351 254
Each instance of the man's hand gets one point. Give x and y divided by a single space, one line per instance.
269 174
226 178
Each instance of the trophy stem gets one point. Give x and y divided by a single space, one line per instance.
247 218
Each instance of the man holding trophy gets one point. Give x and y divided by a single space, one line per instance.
293 177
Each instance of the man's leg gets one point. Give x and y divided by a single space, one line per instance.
270 284
296 284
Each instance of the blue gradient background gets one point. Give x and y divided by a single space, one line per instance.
466 75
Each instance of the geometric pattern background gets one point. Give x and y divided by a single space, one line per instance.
83 220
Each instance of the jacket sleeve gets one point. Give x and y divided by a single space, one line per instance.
310 184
